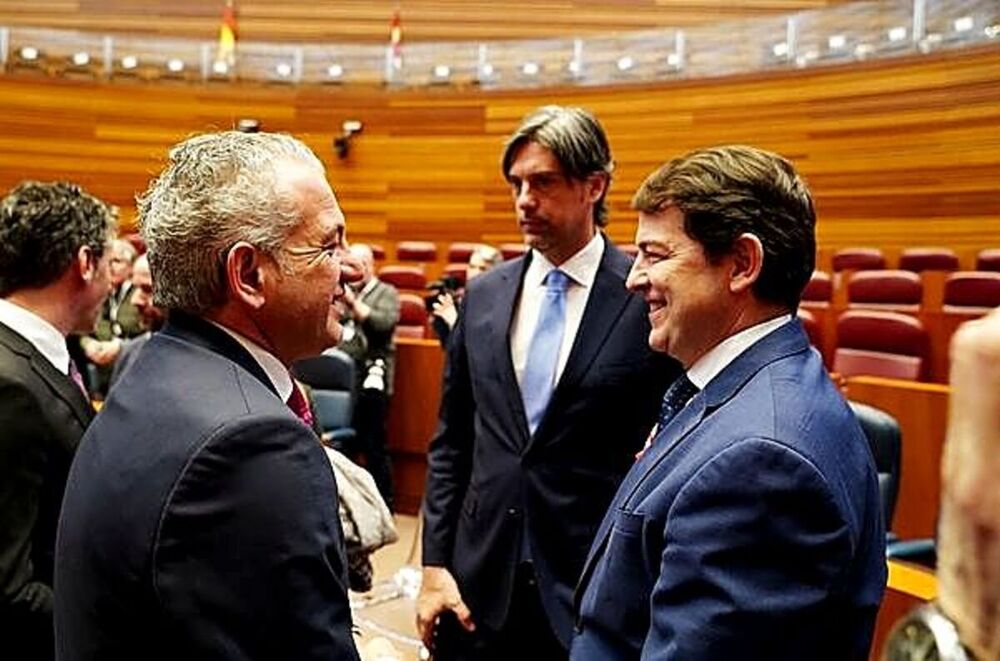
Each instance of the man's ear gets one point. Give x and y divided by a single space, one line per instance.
597 184
747 260
244 275
85 264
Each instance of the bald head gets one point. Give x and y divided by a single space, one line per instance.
362 252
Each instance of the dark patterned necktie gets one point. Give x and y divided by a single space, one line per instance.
300 407
676 397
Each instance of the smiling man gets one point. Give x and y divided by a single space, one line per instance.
549 390
201 513
751 527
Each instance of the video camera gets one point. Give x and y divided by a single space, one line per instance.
446 285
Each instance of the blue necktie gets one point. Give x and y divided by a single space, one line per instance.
676 397
538 380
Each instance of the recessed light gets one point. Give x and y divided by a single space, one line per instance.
530 69
130 62
175 66
81 59
625 63
29 53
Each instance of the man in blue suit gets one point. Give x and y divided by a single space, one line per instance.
549 391
750 527
200 516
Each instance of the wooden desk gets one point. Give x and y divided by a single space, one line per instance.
413 413
908 586
922 412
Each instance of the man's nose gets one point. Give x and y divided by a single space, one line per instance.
636 277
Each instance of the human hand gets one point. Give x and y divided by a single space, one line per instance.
444 307
439 593
103 353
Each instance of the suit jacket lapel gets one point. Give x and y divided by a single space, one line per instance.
784 341
504 301
61 384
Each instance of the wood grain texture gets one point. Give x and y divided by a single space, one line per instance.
898 153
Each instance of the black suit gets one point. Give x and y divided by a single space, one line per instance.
200 517
490 482
43 414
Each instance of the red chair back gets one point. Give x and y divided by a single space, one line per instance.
988 260
416 251
403 276
858 259
811 324
885 287
459 271
928 259
512 250
460 252
412 316
819 287
973 288
880 343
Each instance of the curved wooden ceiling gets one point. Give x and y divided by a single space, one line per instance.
368 20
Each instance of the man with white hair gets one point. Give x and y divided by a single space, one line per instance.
201 512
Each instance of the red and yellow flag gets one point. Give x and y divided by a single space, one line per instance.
227 36
396 40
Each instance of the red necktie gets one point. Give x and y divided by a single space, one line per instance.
300 407
74 374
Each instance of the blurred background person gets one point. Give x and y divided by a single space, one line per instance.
54 277
152 315
445 305
371 314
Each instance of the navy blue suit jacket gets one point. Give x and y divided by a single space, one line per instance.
751 529
200 518
489 481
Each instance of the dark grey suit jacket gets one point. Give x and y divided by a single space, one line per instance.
43 414
490 482
200 518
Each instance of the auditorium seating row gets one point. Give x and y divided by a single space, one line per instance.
893 323
911 259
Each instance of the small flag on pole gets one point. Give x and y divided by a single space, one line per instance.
225 57
396 40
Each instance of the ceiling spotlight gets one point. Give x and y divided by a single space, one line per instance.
625 63
81 59
963 24
220 67
897 33
335 71
992 31
836 41
674 60
861 51
175 66
574 67
780 49
530 69
283 69
442 71
28 53
130 62
487 69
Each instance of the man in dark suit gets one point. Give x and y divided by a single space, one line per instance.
549 391
200 513
372 312
751 527
54 276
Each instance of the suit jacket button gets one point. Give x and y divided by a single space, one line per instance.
512 512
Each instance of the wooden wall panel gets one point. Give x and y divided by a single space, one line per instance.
898 153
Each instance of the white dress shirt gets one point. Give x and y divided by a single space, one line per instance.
278 373
45 337
581 269
718 357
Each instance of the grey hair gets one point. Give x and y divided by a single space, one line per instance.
126 249
576 139
217 189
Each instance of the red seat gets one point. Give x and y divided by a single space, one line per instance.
858 259
378 252
460 251
877 343
813 330
459 271
973 289
885 287
988 260
928 259
819 287
412 316
512 250
403 276
417 251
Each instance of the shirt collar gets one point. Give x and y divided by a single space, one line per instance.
581 267
275 371
718 357
42 335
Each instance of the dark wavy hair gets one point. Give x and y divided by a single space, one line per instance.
42 227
